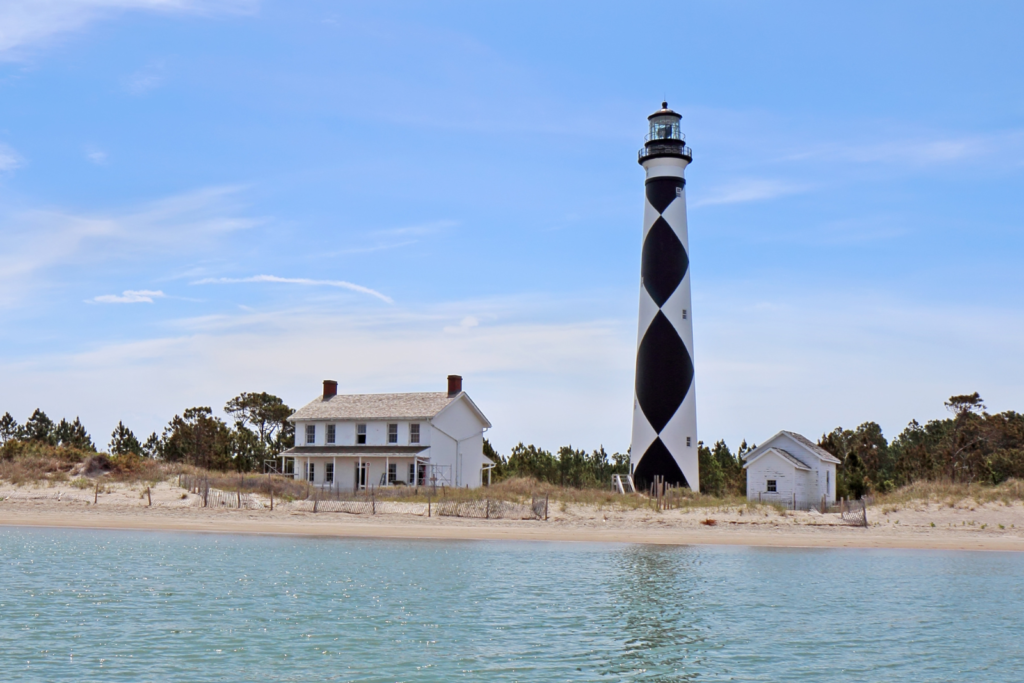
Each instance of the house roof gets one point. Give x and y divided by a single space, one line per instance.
356 451
809 446
418 406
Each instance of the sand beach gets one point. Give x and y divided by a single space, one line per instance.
991 526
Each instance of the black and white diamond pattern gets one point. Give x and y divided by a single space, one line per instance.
664 410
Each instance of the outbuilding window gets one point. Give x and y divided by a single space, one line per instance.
771 486
392 433
360 433
310 434
330 433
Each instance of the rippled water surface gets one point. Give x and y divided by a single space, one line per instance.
99 605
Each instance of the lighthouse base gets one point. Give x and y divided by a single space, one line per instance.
657 461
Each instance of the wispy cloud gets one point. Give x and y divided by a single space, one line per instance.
130 296
916 151
750 190
96 155
146 79
36 240
27 24
9 159
296 281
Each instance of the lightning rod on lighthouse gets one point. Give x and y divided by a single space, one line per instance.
664 439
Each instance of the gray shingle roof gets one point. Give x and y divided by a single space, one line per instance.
811 446
792 458
419 406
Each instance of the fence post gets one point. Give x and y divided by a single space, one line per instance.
794 501
545 507
96 494
149 495
316 500
487 507
373 501
865 508
271 496
428 504
239 492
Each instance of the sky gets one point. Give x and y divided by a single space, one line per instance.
205 197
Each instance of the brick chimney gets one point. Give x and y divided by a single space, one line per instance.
330 389
454 385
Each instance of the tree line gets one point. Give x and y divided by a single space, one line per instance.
259 430
971 445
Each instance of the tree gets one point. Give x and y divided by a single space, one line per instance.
9 428
263 413
712 479
153 448
73 435
123 441
966 439
39 427
197 438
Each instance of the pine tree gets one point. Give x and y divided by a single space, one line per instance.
122 441
153 448
39 427
9 428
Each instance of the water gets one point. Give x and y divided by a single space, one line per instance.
108 605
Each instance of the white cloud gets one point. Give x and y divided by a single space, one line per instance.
145 79
550 383
9 159
766 359
295 281
37 240
96 155
28 23
749 190
130 296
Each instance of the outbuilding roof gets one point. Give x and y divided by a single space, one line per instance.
812 447
809 446
418 406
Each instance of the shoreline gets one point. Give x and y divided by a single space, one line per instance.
914 525
406 527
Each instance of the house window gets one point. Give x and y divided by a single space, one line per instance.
312 472
684 314
392 433
310 433
412 474
687 442
360 433
414 432
771 486
392 473
330 433
329 473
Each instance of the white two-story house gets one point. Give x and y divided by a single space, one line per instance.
356 441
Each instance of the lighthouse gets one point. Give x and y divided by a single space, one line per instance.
664 439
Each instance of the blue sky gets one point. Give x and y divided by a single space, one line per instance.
199 198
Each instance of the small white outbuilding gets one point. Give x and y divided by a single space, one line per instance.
792 470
